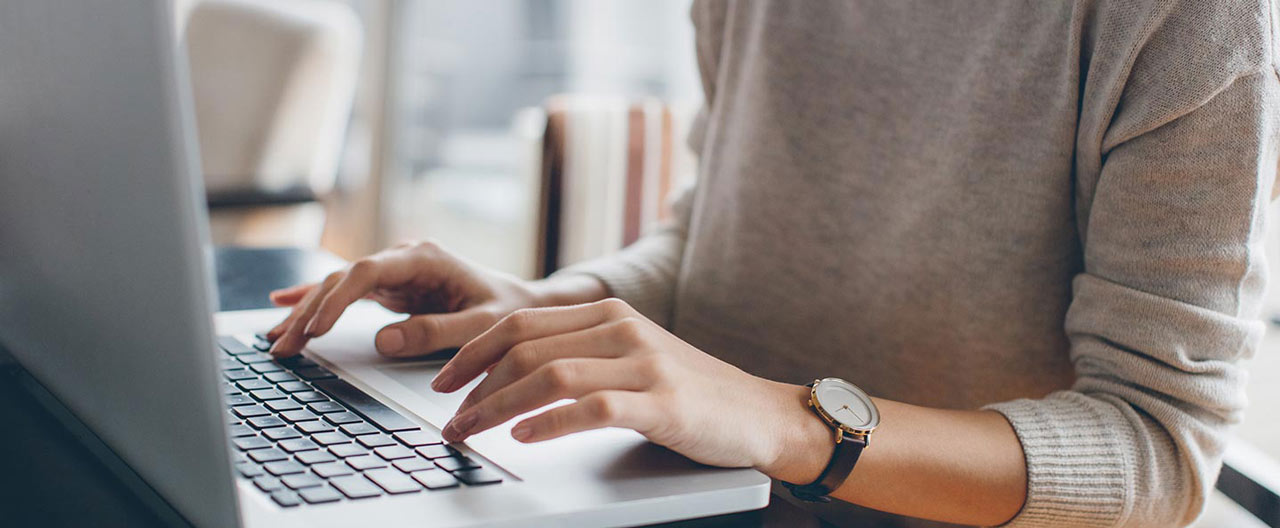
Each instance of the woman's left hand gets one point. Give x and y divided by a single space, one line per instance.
623 371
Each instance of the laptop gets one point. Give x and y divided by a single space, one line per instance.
107 304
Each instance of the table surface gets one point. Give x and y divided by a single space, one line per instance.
51 479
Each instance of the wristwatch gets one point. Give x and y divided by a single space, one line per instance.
853 417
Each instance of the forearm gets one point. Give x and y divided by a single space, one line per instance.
956 466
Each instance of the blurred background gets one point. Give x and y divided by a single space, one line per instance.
522 134
353 125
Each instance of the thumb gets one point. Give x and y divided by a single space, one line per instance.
423 334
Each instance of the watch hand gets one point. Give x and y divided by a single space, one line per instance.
853 412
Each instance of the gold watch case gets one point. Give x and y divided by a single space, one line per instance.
861 432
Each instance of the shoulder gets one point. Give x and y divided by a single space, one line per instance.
1160 59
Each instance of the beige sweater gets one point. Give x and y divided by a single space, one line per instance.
1052 209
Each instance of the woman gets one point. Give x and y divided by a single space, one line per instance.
1029 230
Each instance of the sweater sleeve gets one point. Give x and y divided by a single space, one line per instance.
644 273
1160 317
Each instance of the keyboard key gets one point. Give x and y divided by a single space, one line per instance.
249 443
357 429
266 368
455 463
228 389
435 479
326 407
268 483
436 451
347 450
288 385
394 482
264 422
268 394
281 377
311 458
302 480
239 374
363 462
478 476
314 373
285 498
263 456
281 433
320 495
249 469
332 469
332 438
253 384
314 427
237 399
364 405
394 452
283 405
284 467
340 418
296 362
240 430
232 419
355 487
250 411
261 344
378 440
254 357
230 364
299 415
233 346
409 465
309 396
295 445
419 438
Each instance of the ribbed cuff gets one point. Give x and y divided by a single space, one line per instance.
1079 468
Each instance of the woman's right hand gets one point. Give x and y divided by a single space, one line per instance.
450 301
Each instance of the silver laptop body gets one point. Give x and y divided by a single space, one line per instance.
106 300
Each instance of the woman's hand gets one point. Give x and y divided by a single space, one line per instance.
624 371
450 300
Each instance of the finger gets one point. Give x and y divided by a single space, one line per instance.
424 334
524 358
292 340
359 281
555 381
275 333
291 295
522 325
609 408
389 270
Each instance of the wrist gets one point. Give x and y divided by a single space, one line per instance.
566 290
803 443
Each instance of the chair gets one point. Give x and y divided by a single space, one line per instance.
273 85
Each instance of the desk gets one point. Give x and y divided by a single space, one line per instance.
47 478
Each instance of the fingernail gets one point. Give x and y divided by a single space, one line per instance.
443 381
459 426
310 331
522 432
390 341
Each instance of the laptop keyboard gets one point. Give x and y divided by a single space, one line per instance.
305 436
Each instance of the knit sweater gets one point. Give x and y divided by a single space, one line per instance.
1050 209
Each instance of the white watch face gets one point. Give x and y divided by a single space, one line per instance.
847 404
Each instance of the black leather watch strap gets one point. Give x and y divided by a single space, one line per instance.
842 461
